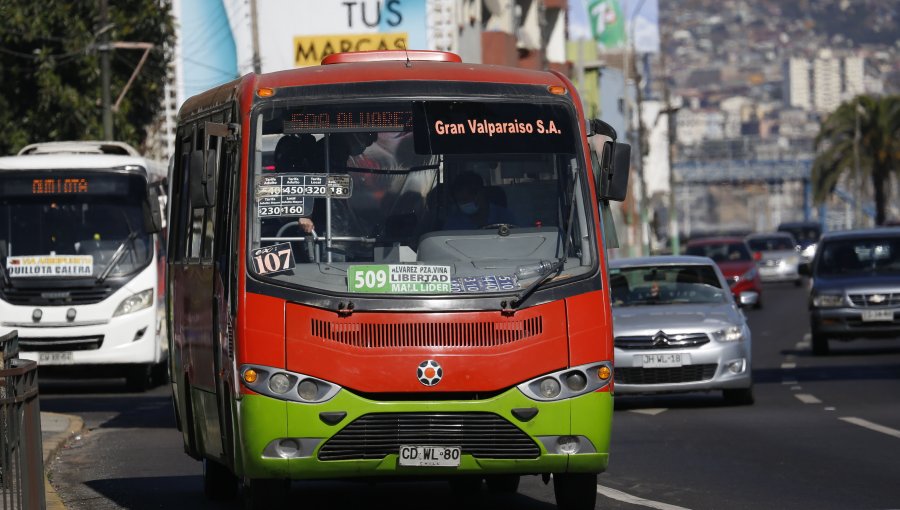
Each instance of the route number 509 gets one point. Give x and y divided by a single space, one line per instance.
370 279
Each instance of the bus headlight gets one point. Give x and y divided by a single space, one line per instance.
284 385
568 383
135 302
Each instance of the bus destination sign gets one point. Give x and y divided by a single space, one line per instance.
320 120
65 186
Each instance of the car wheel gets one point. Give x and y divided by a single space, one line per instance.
219 484
139 377
738 396
819 344
575 491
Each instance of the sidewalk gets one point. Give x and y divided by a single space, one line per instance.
56 429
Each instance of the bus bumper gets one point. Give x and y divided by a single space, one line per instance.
266 421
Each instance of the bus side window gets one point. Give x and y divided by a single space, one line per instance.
215 144
197 214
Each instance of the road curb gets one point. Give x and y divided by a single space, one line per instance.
53 445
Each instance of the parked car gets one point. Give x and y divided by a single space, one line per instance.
677 328
733 257
806 233
777 257
855 291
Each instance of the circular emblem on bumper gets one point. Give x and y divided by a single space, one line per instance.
429 372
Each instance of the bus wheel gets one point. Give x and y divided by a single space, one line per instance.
219 484
503 483
139 377
263 494
575 491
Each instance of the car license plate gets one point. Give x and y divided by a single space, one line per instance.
430 455
55 358
877 315
667 360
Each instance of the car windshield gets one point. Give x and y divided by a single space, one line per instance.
418 197
721 252
56 235
665 285
805 235
774 243
859 256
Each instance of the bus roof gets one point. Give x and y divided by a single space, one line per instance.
393 68
80 161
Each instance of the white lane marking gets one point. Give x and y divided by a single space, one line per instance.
788 365
651 412
796 388
807 337
803 345
789 381
635 500
790 357
806 398
872 426
830 408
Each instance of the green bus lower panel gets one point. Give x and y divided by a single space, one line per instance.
264 420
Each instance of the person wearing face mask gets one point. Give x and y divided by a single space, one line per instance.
472 209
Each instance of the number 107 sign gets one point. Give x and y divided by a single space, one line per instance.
399 279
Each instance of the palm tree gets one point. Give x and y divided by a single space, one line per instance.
862 133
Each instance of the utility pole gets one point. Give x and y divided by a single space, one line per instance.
857 178
254 31
670 117
105 71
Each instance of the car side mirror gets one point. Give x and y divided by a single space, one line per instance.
748 298
757 256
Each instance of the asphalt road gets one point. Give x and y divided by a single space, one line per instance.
824 433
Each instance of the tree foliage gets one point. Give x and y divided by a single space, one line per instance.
878 119
50 69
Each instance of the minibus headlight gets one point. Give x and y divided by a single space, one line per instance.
550 388
308 389
135 302
280 383
568 383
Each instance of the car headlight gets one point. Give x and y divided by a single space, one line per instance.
828 300
135 302
810 251
732 334
793 260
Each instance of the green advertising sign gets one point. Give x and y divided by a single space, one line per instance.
399 279
607 23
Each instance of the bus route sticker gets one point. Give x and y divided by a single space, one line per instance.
50 265
399 279
277 258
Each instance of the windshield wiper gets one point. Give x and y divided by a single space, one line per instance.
116 256
557 266
4 276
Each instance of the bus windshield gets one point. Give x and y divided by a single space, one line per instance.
72 227
439 197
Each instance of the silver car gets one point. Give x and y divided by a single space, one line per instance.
776 256
677 328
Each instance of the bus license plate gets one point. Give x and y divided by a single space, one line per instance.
877 315
667 360
55 358
430 455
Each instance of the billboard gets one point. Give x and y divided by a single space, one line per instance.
615 24
297 33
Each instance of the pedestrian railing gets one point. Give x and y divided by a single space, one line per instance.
21 453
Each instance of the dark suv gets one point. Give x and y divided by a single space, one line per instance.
855 290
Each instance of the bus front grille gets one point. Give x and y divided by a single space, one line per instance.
482 435
427 334
73 343
36 296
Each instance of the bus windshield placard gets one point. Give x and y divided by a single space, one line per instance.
468 127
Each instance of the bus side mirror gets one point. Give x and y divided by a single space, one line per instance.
203 180
152 213
614 168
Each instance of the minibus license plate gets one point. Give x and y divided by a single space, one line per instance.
430 455
877 315
55 358
667 360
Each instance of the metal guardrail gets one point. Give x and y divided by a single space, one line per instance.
21 451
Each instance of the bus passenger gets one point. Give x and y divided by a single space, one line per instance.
472 207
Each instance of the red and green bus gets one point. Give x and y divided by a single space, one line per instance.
393 265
